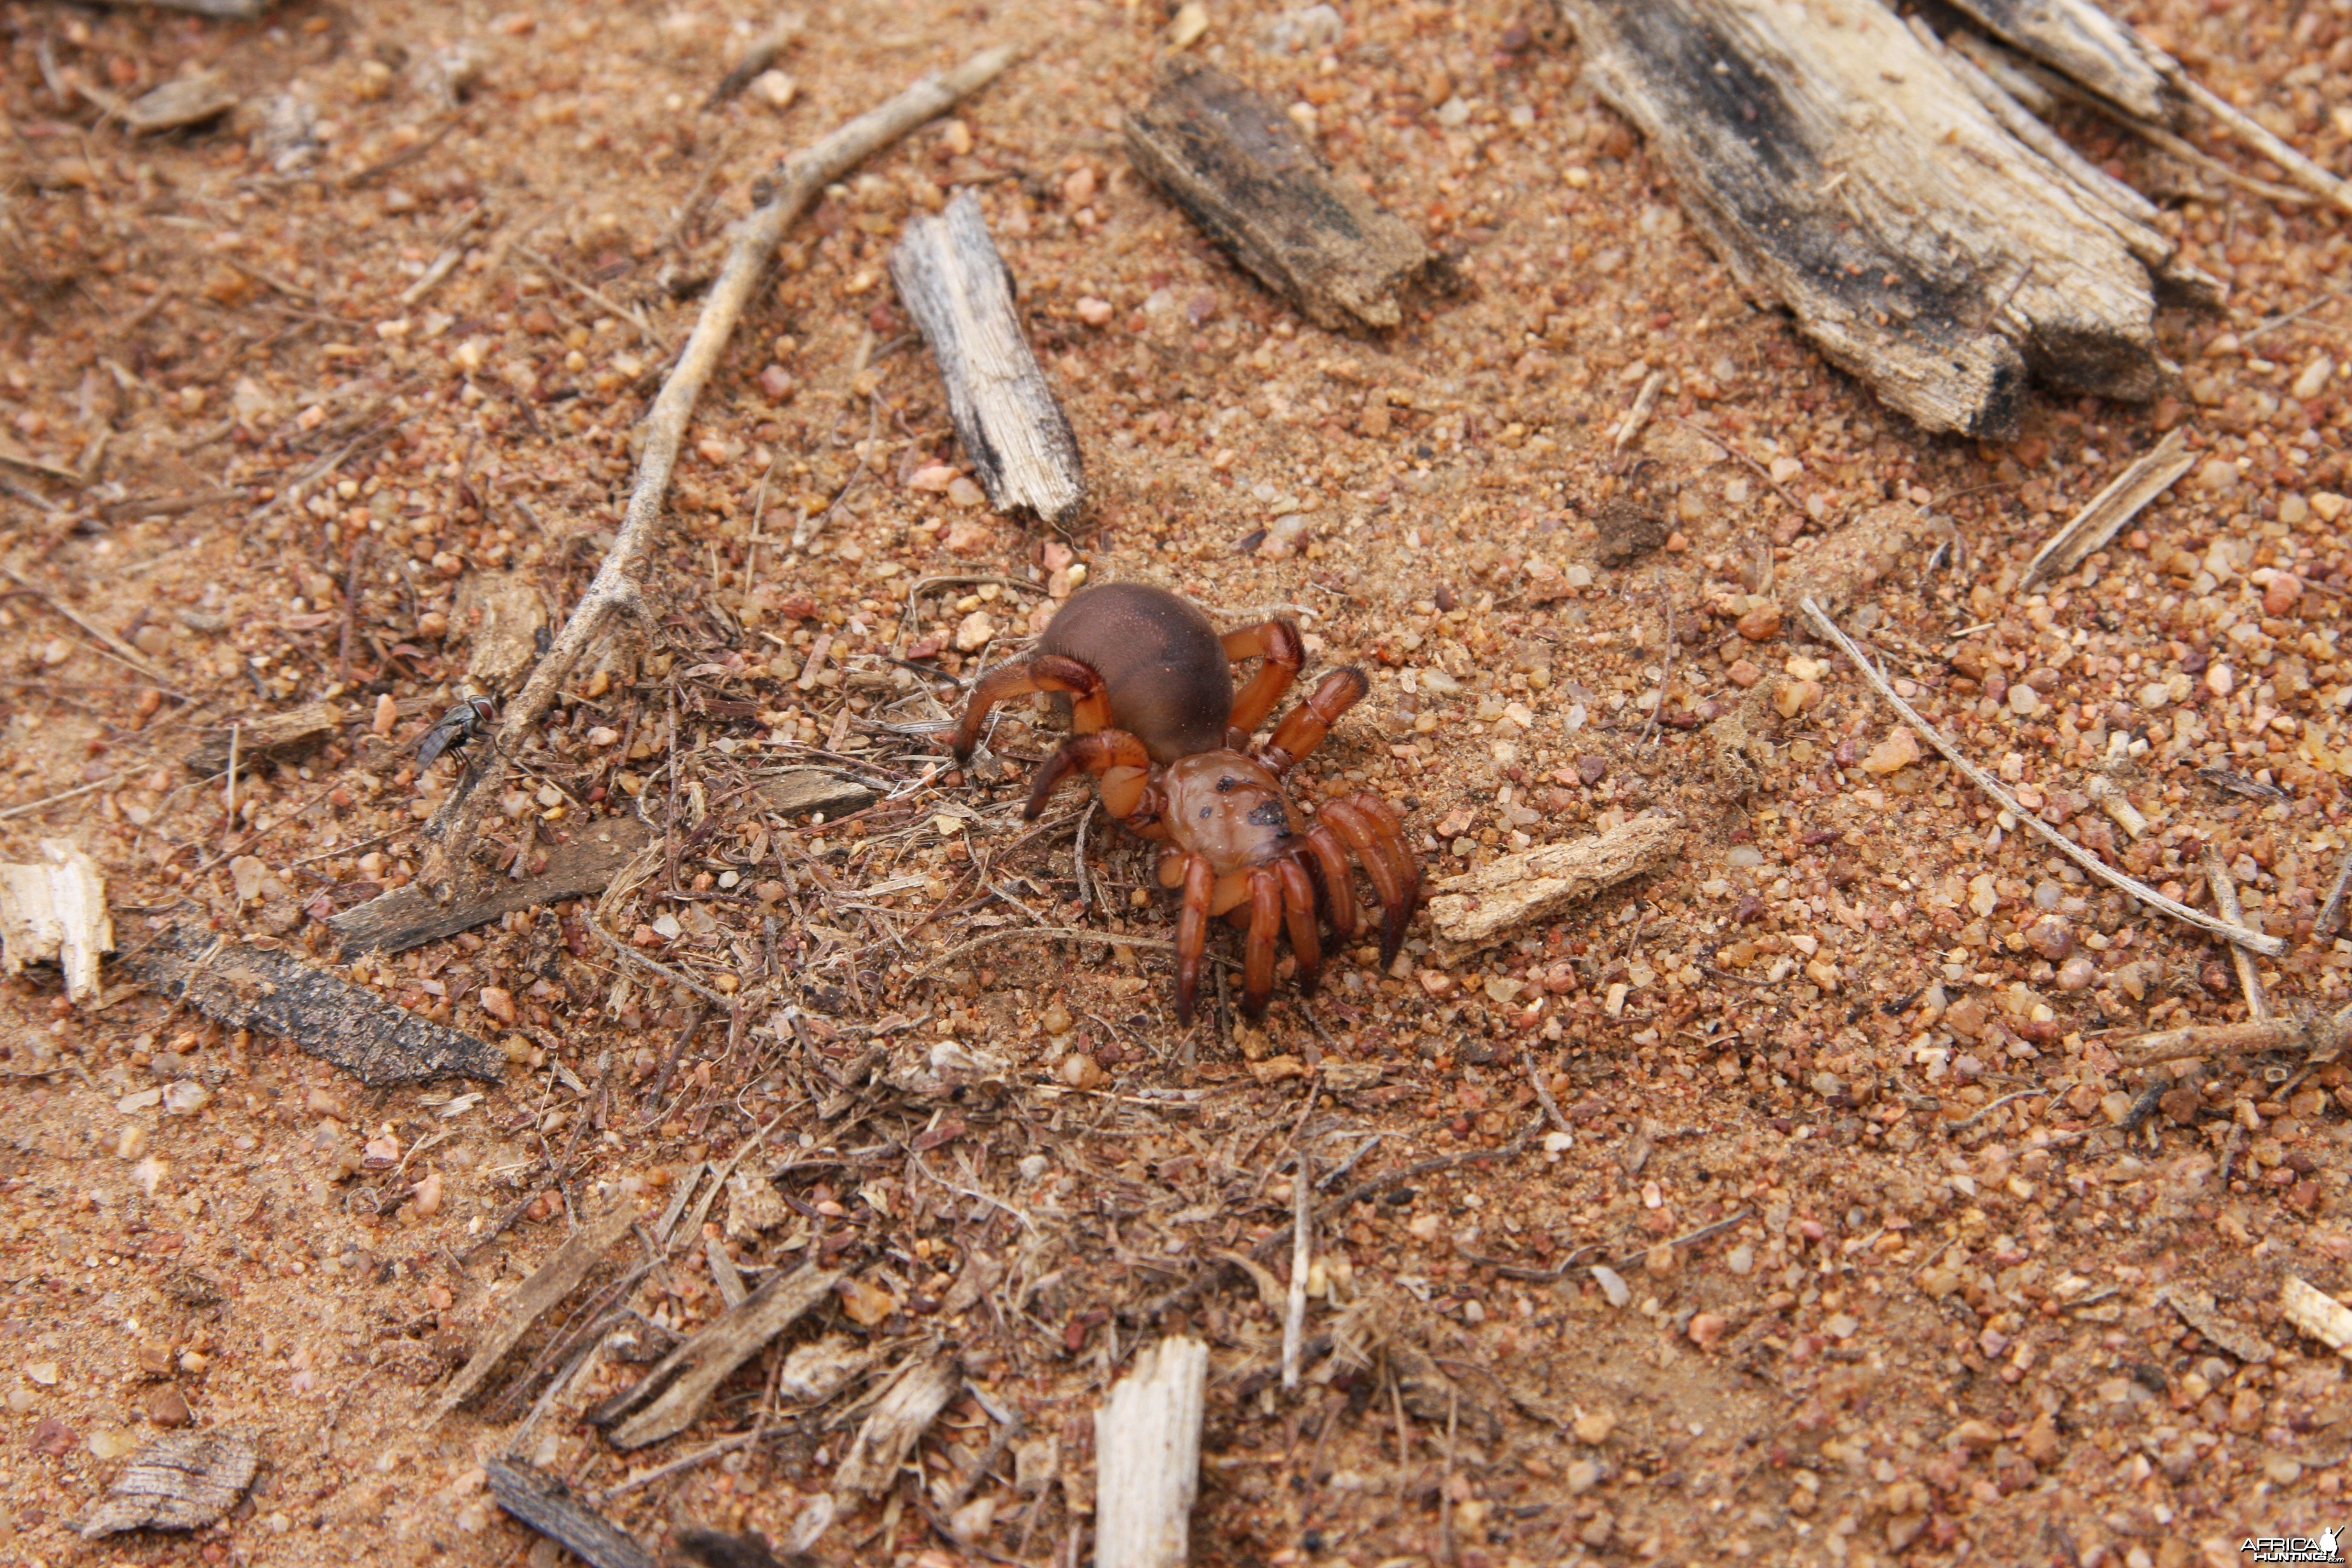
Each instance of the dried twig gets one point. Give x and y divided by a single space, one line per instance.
618 588
121 651
1638 416
2322 1038
2259 941
1755 468
2225 899
2122 500
1302 1258
757 59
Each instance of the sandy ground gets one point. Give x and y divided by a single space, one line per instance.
297 405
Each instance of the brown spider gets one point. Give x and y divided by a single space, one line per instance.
1150 690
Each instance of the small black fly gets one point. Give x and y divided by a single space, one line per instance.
455 729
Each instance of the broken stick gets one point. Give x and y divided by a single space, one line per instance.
2107 512
543 1502
671 1395
1839 167
54 911
959 292
1231 159
1537 884
1147 1459
406 918
326 1014
549 1284
617 589
2259 941
898 1422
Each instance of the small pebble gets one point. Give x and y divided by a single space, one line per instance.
2051 937
1079 1070
1612 1285
425 1200
974 632
498 1003
774 88
1706 1329
1759 625
1593 1427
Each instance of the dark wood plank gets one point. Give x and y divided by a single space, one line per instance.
269 738
318 1010
1231 159
549 1507
407 917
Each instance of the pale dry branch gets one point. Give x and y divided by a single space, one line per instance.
2113 507
618 588
2225 899
2259 941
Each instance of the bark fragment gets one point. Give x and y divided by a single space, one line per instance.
1231 159
1841 166
1012 429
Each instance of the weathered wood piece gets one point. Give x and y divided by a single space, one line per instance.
1012 429
272 738
671 1395
405 917
2314 1312
716 1549
549 1283
2087 43
1232 160
190 100
54 911
504 615
183 1480
2124 499
327 1015
2199 1310
549 1507
1841 166
1537 884
1147 1459
804 790
894 1424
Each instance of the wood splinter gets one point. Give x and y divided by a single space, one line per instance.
959 292
1231 159
1147 1457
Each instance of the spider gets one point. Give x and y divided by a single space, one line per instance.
1151 691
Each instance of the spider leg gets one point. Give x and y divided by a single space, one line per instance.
1394 841
1090 701
1303 728
1331 861
1115 757
1279 644
1265 927
1191 934
1363 835
1298 913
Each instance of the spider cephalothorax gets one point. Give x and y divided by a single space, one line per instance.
1159 726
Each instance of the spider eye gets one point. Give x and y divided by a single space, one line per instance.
1225 784
1206 810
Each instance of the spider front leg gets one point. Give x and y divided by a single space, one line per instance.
1304 728
1193 934
1298 913
1089 701
1284 651
1122 770
1264 928
1372 831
